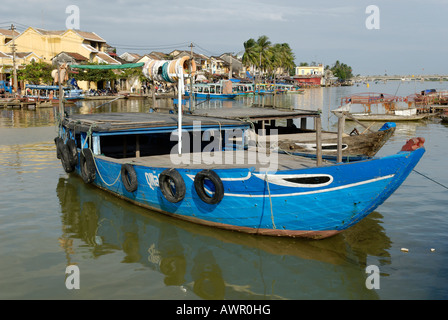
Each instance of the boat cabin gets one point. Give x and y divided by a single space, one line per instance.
134 135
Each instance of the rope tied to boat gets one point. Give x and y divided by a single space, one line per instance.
430 179
89 136
270 200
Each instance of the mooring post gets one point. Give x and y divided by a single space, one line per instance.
341 125
61 95
153 94
137 146
318 128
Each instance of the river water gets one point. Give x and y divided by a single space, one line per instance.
49 220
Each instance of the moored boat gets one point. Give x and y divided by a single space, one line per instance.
216 90
294 137
214 181
379 107
44 93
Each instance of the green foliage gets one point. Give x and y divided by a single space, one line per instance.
95 75
341 70
132 73
265 56
36 73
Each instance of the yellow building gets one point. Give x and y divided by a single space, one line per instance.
309 70
309 75
44 45
22 59
47 44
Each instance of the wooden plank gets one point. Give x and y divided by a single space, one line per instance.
318 128
341 125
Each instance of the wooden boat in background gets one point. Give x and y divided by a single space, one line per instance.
295 138
379 107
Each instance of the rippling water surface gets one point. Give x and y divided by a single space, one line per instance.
49 220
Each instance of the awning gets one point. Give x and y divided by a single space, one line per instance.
107 66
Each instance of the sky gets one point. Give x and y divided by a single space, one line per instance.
408 37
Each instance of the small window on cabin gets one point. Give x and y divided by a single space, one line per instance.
313 180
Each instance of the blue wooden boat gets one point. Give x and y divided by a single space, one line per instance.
219 90
51 93
134 156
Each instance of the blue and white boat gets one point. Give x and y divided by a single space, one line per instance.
135 157
219 90
51 93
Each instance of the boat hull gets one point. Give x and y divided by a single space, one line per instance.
386 117
267 204
212 96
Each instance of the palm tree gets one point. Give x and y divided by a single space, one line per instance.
287 57
250 53
267 57
264 52
282 58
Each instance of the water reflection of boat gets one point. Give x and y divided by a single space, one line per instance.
218 264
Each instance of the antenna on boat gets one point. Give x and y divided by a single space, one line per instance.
180 92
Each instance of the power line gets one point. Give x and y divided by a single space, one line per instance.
207 51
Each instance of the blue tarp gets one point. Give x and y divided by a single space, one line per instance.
387 125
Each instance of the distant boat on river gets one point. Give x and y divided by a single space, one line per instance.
379 107
216 90
44 93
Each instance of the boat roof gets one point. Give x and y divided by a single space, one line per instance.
256 113
44 87
108 122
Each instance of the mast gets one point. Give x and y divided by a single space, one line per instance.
180 89
14 60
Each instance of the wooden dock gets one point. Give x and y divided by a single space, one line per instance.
17 104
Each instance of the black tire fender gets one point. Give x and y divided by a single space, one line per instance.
211 175
65 158
166 180
87 164
129 177
57 142
73 152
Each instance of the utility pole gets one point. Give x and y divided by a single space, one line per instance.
191 76
14 59
231 66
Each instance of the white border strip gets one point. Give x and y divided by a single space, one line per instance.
310 192
249 174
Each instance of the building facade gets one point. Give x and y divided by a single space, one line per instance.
309 75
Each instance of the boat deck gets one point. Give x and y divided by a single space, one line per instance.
222 160
107 122
256 113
